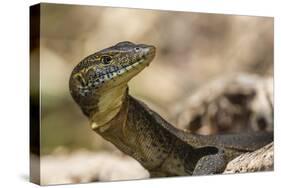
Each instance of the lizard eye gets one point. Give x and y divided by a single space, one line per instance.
106 60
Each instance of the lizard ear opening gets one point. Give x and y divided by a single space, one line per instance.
80 79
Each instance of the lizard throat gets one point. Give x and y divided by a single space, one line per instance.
113 90
108 106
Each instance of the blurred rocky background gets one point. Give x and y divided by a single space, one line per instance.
193 50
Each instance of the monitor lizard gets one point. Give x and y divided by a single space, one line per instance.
99 85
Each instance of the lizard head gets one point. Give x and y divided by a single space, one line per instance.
99 73
109 67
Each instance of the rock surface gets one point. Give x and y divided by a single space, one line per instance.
260 160
84 166
234 103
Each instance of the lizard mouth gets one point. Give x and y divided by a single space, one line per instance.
125 73
120 72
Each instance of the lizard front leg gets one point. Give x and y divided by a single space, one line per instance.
211 164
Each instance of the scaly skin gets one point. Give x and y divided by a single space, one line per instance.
98 84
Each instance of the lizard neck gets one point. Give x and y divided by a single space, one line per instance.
138 133
107 106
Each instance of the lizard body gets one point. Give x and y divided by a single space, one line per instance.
98 84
